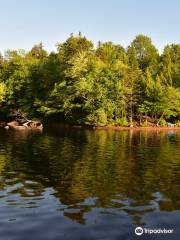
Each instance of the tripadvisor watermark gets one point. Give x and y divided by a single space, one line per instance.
139 231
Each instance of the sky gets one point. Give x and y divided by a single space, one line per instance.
24 23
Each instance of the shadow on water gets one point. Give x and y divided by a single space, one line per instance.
86 184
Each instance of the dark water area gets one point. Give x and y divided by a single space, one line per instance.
78 184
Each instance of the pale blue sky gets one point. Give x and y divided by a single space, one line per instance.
26 22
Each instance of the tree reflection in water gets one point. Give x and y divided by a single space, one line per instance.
134 172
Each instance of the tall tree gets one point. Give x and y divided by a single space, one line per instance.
145 52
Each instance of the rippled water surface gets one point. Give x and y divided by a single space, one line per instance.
84 184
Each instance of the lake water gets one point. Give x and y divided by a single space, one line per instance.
85 185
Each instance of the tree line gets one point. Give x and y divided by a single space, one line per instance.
84 84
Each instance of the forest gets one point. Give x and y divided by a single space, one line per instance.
99 85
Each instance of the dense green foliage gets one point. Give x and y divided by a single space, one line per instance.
98 86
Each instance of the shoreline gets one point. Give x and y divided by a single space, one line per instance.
137 128
109 127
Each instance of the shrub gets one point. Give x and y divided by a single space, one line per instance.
144 124
178 123
162 122
122 122
98 118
